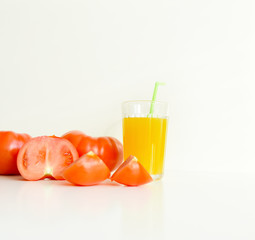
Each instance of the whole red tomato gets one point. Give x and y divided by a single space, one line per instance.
109 149
10 144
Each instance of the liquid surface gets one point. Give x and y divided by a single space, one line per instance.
145 138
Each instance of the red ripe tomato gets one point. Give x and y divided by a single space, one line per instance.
10 144
131 173
87 170
43 157
109 149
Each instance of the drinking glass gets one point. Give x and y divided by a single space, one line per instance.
144 133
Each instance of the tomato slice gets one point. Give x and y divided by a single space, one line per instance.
43 157
87 170
131 173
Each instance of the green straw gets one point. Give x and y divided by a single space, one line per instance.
154 97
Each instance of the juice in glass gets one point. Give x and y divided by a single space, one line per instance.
145 138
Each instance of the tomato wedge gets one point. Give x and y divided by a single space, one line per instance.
87 170
43 157
10 144
131 173
109 149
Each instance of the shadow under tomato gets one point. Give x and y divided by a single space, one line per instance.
12 177
104 183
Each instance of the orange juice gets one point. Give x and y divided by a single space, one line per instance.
145 138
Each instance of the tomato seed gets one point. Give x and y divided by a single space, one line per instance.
67 154
69 158
24 160
41 155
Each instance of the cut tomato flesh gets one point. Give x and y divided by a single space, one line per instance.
43 157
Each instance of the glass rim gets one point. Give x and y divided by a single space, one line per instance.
144 101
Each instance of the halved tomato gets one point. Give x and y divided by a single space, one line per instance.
87 170
131 173
43 157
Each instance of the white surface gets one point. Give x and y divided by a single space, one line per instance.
182 206
69 64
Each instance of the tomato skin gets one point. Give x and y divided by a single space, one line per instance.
109 149
131 173
88 170
45 157
10 144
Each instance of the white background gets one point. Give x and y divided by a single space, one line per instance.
69 64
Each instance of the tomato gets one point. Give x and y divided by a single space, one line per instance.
43 157
87 170
131 173
109 149
10 144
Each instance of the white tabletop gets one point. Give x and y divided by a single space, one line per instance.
181 206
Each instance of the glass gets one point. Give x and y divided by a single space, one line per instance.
144 134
